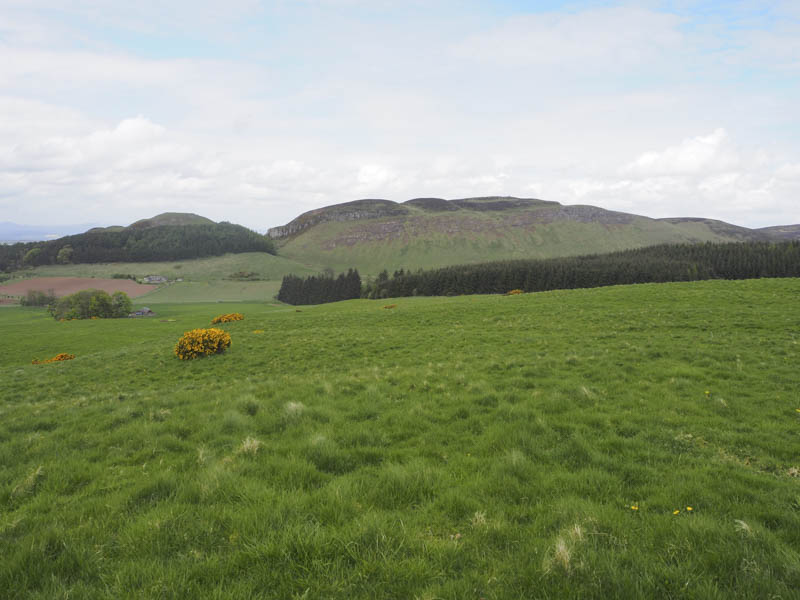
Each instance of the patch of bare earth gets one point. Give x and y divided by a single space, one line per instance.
63 286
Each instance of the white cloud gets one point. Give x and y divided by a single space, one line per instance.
703 176
373 177
612 38
314 105
702 154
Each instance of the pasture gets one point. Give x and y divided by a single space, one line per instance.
632 441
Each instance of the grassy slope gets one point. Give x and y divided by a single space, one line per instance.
268 267
447 448
204 279
477 237
213 290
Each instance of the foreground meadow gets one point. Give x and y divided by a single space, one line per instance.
638 441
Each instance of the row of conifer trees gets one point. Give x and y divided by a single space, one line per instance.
668 262
653 264
319 289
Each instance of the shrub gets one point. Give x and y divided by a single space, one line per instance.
244 275
227 318
91 303
202 342
514 292
38 298
56 358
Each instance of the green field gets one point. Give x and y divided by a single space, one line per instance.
212 291
537 446
267 267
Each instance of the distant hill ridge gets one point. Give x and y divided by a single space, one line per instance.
373 234
165 237
167 218
371 208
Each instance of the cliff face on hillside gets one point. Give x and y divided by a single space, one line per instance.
349 211
373 208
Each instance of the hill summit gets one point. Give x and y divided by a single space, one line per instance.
171 218
377 234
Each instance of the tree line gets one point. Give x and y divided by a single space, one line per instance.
162 243
319 289
663 263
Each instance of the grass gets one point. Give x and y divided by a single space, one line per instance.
425 240
267 266
472 447
213 291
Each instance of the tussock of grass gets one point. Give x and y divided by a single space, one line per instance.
28 485
249 446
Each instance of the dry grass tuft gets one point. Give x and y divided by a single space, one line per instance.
249 446
743 527
562 554
293 410
479 519
28 485
576 533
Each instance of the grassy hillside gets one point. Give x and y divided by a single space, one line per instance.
544 445
266 266
213 291
414 235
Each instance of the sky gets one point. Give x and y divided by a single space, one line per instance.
254 111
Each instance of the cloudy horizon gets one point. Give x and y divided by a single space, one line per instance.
257 111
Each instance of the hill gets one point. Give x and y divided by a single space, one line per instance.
625 442
166 237
375 234
171 218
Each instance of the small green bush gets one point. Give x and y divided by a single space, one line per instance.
38 298
89 304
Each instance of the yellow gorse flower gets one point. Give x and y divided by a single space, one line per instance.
202 342
56 358
227 318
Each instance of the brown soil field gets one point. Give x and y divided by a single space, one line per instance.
62 286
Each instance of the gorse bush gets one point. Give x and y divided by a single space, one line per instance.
57 358
202 342
227 318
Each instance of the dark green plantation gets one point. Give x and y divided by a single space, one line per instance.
541 445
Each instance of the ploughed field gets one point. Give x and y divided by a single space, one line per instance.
636 441
63 286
